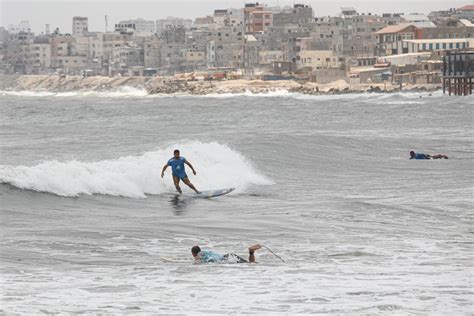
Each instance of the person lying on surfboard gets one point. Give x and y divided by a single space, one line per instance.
178 172
205 256
419 156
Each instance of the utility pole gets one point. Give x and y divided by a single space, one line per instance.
106 22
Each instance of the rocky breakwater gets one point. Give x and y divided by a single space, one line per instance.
55 83
167 85
259 87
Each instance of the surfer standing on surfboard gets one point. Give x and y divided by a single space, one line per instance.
177 167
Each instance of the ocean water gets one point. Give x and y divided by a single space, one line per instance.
89 226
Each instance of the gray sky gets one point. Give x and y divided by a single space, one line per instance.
59 13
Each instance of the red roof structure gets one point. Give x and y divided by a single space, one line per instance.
467 8
393 29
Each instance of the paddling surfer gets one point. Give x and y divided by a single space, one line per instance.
205 256
177 167
420 156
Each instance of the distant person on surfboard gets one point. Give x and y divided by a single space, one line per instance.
419 156
206 256
177 167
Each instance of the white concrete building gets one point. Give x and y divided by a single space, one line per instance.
317 59
80 25
41 55
428 45
138 25
173 22
23 26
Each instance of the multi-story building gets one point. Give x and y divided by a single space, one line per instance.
419 20
162 24
358 35
300 15
256 18
174 34
465 12
80 25
151 53
430 45
390 38
449 28
23 26
136 26
314 54
41 55
206 22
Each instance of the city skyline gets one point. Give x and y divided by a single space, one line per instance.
60 13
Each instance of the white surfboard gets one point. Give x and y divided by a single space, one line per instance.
212 193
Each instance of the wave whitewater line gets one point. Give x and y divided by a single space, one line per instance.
217 166
133 92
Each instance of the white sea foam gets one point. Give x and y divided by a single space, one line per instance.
217 165
121 92
133 92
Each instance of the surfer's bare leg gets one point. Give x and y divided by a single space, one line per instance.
176 184
439 156
189 184
252 251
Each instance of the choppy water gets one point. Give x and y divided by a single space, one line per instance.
88 225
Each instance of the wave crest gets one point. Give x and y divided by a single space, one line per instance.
217 166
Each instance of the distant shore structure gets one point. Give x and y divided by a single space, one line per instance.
458 73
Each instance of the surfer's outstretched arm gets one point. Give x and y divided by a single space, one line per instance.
163 171
190 166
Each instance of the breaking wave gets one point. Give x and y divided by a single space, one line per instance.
217 166
133 92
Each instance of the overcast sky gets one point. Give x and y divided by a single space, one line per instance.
59 13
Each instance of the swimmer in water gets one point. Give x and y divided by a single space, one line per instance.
205 256
421 156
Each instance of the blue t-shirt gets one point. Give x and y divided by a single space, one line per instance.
421 156
177 166
209 256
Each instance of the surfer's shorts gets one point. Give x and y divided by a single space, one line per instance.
233 258
182 176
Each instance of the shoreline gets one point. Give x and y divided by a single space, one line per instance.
167 85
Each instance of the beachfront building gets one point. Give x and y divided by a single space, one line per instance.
40 55
389 38
252 38
151 53
316 59
431 45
